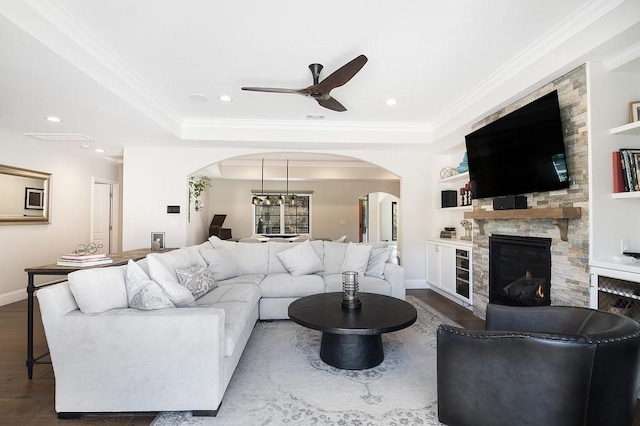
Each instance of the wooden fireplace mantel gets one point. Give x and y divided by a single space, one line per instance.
559 215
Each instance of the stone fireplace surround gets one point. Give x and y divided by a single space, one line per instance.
570 258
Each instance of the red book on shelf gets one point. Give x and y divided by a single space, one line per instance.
618 174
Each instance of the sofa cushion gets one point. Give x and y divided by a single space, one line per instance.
182 258
99 289
142 291
333 257
254 279
377 259
248 293
168 280
197 279
251 258
356 258
275 265
375 285
221 263
236 316
301 259
238 302
286 285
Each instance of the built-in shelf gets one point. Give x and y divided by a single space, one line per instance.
459 208
627 129
622 195
559 215
455 178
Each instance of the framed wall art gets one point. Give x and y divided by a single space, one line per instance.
634 111
33 198
157 241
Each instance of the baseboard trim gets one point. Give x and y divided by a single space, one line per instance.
415 284
12 297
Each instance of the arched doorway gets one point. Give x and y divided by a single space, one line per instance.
378 217
333 182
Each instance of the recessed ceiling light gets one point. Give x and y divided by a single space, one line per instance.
197 97
53 119
85 146
390 102
99 150
225 98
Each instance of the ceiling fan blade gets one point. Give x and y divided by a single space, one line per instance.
272 90
331 103
341 75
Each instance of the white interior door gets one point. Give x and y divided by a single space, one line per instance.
102 216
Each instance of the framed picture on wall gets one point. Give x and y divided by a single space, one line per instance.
34 198
157 241
634 111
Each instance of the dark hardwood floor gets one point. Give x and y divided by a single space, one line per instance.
31 402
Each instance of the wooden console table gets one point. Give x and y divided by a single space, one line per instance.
53 269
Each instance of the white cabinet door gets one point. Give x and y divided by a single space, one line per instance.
448 268
433 264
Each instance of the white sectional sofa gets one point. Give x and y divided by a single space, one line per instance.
166 333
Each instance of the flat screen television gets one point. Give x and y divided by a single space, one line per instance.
520 153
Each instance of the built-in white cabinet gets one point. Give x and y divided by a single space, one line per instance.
449 270
615 281
616 287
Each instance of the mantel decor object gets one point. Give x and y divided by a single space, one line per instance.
350 290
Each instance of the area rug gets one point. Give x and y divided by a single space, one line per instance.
281 380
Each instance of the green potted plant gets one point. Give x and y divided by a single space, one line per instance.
197 185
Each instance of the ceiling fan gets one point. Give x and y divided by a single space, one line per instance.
321 90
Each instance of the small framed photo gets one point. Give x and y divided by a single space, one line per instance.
157 241
34 198
634 111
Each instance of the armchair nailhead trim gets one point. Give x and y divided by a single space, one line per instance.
545 336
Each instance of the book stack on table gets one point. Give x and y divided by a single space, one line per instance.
81 260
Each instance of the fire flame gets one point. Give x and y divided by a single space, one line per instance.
540 292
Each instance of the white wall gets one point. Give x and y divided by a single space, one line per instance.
380 216
156 177
23 246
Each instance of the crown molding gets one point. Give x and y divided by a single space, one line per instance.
55 28
304 131
560 34
622 58
219 123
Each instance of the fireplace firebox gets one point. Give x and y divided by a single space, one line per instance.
519 270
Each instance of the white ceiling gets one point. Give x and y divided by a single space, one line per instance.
121 71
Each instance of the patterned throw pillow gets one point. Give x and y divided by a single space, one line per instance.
377 261
143 292
197 279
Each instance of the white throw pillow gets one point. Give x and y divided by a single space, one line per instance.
301 260
99 289
356 258
377 260
142 291
179 295
221 263
197 279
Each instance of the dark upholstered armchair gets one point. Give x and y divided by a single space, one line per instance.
552 365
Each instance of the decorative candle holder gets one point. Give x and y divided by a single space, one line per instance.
350 290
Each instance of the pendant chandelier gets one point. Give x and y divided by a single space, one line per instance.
260 199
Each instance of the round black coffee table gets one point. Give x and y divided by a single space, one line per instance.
352 339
